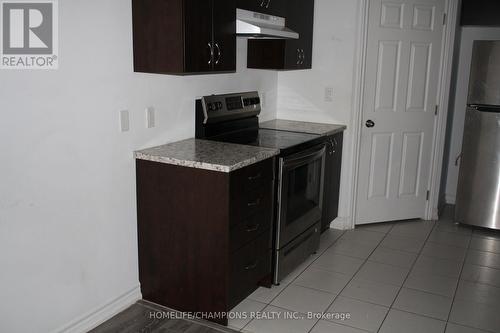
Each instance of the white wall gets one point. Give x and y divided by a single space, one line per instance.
468 35
67 179
301 94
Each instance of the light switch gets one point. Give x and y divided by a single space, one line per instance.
328 94
150 117
124 121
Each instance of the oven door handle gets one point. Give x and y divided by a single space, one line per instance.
305 157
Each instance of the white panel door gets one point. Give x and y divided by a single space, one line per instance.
401 82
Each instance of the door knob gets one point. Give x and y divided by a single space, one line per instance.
370 123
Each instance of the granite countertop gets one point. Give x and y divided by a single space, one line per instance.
304 127
208 155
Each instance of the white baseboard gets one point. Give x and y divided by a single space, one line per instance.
102 313
450 199
342 223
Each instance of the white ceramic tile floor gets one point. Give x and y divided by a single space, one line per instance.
323 280
399 277
423 303
371 291
338 263
302 299
393 257
436 250
247 307
364 316
484 244
383 273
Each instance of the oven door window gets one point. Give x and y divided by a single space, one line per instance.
301 195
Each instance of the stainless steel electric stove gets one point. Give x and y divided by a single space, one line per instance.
234 118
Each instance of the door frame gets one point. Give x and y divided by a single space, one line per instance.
452 10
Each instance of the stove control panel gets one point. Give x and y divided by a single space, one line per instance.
217 108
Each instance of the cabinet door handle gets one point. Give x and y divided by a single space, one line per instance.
254 203
253 228
262 3
257 176
211 53
268 2
219 53
252 266
332 147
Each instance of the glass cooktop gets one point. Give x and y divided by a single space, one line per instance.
268 138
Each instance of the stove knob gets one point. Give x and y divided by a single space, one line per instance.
211 107
219 105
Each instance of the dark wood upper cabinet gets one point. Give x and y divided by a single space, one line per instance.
271 7
290 54
184 36
480 13
224 30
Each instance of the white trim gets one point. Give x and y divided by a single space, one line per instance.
357 107
450 199
452 10
102 313
341 223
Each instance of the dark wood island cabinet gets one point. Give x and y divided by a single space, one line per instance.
204 236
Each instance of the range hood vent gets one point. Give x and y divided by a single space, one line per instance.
262 26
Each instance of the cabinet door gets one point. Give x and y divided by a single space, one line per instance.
224 34
300 17
198 44
293 54
287 54
271 7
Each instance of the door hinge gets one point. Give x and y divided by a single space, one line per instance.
444 18
428 195
436 110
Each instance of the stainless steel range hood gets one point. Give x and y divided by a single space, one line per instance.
262 26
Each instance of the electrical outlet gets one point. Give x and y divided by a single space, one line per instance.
150 117
124 121
328 94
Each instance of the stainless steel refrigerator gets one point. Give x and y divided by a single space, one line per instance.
478 196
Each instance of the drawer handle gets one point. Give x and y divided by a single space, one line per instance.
253 266
258 176
253 228
254 204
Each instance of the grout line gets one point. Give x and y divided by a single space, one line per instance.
392 265
472 328
458 283
355 273
478 264
406 278
429 292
